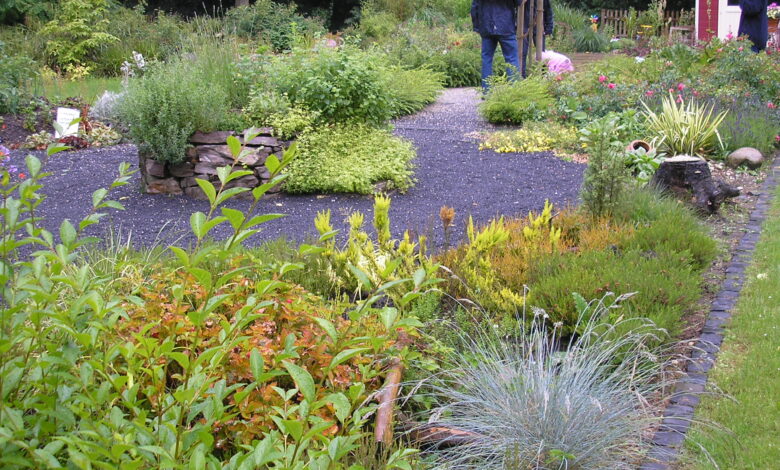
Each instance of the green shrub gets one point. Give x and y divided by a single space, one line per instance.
167 105
17 74
179 364
340 84
411 90
277 23
350 159
76 33
606 174
517 101
159 38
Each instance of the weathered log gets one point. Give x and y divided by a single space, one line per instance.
384 414
690 178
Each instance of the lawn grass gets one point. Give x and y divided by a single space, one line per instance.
89 88
748 369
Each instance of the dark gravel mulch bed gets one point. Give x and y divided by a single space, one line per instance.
450 171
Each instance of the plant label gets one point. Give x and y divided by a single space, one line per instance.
65 118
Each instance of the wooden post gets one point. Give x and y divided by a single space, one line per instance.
520 34
539 28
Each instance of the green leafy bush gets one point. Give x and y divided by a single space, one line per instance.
341 84
208 362
76 33
517 101
350 159
606 174
167 105
17 74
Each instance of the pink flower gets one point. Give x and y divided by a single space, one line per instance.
729 37
681 86
741 49
720 49
771 105
649 93
602 78
695 93
777 138
679 99
611 86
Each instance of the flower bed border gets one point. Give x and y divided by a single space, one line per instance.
679 414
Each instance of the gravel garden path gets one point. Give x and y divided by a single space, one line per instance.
451 171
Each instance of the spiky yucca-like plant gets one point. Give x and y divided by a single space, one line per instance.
684 128
535 402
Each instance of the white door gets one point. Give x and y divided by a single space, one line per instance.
728 19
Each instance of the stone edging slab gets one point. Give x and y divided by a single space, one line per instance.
678 416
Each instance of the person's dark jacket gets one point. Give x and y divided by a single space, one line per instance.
754 23
499 17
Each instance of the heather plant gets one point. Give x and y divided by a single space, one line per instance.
537 400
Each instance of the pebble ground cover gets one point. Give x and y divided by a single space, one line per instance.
216 351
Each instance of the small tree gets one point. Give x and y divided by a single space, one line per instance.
607 173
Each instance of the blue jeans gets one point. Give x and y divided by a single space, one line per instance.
508 49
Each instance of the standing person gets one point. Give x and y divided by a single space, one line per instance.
754 23
496 22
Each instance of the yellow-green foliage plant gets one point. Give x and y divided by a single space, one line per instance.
362 263
534 137
685 128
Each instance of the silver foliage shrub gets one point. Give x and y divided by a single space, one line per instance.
537 402
106 106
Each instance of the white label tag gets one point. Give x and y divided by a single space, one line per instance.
65 116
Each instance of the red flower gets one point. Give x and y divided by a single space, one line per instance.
611 86
22 176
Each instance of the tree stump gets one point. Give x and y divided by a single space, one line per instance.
691 177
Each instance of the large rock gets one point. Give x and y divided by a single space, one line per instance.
748 156
254 159
219 137
218 155
182 170
154 168
162 185
264 140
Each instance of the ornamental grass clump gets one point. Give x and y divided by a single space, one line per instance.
538 401
685 128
